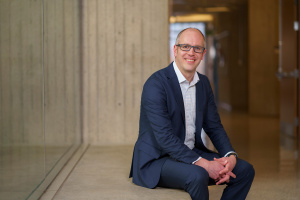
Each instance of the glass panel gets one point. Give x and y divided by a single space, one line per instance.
21 98
39 93
62 61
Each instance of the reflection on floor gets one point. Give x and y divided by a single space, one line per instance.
23 168
102 172
14 161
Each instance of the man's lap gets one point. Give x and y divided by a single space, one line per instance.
174 173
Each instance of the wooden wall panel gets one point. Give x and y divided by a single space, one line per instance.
263 57
124 43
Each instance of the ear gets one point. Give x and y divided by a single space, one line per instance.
175 50
204 52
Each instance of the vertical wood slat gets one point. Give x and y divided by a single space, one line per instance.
124 43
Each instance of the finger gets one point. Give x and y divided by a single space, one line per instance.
225 170
231 174
223 179
221 161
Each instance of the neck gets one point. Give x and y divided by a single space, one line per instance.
188 76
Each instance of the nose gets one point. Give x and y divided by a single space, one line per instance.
191 51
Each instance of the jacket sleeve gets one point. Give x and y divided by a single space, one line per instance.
154 103
212 124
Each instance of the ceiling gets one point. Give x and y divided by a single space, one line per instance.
184 7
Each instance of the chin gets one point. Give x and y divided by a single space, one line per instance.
191 68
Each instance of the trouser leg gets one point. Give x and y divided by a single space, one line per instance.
239 187
191 178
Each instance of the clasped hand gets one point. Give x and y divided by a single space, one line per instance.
220 169
224 175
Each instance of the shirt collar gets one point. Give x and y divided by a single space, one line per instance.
181 78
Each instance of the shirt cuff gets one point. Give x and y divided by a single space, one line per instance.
231 152
196 160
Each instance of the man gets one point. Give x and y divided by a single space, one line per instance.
177 102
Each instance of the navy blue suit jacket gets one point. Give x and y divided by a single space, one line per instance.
162 126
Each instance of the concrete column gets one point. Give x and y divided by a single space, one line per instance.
124 43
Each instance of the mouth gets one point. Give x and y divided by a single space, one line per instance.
190 60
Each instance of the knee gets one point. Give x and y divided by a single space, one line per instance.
251 171
245 169
197 183
199 177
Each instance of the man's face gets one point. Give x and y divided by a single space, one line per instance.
188 61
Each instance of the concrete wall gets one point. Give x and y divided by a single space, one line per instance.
21 73
124 43
39 65
62 71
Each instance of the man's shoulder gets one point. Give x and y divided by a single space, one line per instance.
163 73
159 79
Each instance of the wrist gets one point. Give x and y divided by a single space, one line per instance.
231 153
202 162
232 157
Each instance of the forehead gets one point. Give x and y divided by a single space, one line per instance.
192 37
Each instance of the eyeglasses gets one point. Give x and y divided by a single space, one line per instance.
187 47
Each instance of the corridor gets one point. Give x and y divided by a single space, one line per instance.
101 172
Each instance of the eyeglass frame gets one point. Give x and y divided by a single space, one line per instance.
179 45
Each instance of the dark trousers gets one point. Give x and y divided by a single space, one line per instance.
195 180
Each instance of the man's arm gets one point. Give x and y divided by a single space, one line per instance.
212 123
222 171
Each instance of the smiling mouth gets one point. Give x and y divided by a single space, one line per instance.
189 60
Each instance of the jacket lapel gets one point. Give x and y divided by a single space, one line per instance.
173 82
199 101
200 105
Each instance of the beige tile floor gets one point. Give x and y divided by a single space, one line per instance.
102 172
